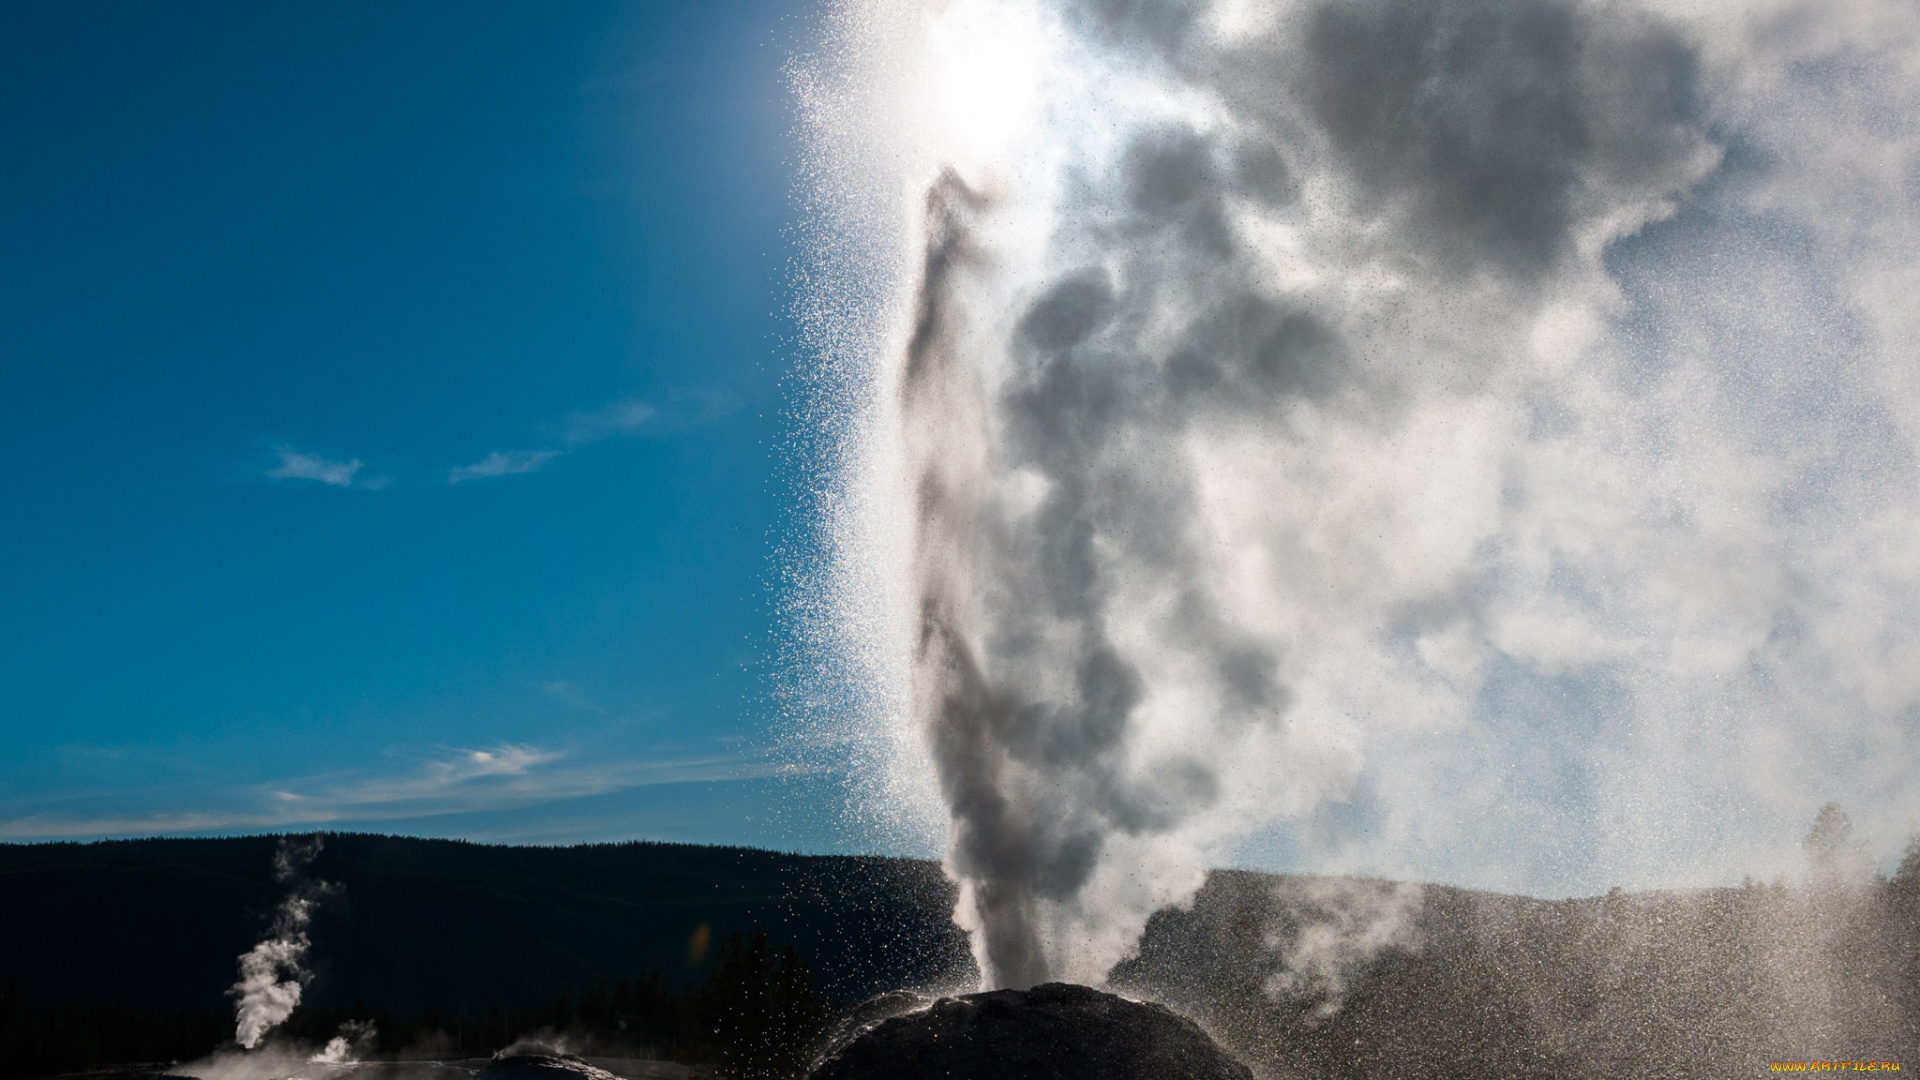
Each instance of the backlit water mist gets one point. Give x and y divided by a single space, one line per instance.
1458 440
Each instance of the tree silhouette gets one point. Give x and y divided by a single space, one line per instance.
760 1010
1832 852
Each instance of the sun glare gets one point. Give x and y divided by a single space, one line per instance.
990 60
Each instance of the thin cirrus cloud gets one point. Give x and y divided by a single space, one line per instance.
298 466
620 418
501 777
683 409
502 463
580 429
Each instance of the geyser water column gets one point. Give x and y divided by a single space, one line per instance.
1274 407
1089 432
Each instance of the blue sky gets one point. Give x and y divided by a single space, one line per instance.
390 402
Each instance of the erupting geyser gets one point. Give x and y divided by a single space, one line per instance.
1462 440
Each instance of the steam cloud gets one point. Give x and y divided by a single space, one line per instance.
1334 927
1455 439
273 973
354 1039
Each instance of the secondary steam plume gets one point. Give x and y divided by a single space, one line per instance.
1468 440
351 1043
1330 929
273 973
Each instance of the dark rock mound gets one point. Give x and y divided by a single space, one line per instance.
1052 1032
871 1012
534 1066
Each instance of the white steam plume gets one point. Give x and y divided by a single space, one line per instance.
1327 930
1470 440
273 973
352 1042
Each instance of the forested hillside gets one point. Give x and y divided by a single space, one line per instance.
412 924
124 951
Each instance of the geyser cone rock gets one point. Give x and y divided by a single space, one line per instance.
1057 1031
540 1066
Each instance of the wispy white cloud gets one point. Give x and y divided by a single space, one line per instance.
502 463
619 418
501 777
567 693
295 465
684 408
699 405
580 429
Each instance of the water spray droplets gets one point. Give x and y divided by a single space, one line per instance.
1309 433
